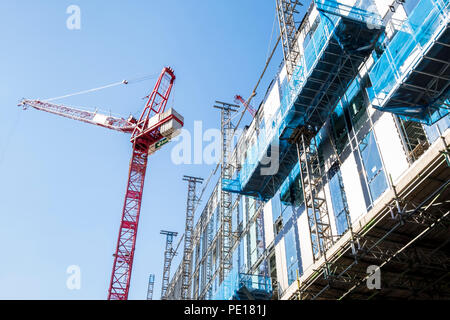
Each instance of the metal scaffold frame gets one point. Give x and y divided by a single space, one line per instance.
412 76
191 204
311 179
340 41
226 238
407 239
168 256
286 10
209 271
151 285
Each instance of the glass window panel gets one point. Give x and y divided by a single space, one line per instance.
410 5
291 255
378 185
339 203
276 207
373 166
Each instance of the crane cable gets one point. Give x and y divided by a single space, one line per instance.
123 82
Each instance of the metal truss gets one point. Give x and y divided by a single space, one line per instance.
151 285
126 243
227 129
324 95
168 256
191 204
407 266
311 179
286 11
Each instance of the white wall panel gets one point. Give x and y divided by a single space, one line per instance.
280 258
390 145
330 209
353 189
305 241
268 223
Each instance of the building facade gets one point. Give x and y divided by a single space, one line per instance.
345 168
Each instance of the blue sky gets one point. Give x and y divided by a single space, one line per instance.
62 183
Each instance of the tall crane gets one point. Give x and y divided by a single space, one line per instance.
154 128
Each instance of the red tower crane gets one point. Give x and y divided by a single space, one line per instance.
250 109
154 128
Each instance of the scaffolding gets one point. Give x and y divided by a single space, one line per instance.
151 285
209 255
340 42
405 236
191 204
328 68
412 77
227 130
205 237
286 11
168 256
311 179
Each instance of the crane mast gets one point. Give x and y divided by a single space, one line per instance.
155 127
146 133
126 242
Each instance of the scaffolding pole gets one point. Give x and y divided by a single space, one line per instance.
151 285
191 204
209 257
227 129
383 242
286 11
313 192
168 256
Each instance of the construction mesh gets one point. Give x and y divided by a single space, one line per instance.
289 115
404 52
235 282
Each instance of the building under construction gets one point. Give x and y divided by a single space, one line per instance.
343 174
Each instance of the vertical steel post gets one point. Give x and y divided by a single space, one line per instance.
191 204
168 256
151 285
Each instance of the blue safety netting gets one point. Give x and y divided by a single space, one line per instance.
417 35
236 285
292 114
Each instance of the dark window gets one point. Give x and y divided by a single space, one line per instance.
414 139
357 108
339 128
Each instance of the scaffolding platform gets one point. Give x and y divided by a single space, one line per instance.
412 76
343 39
